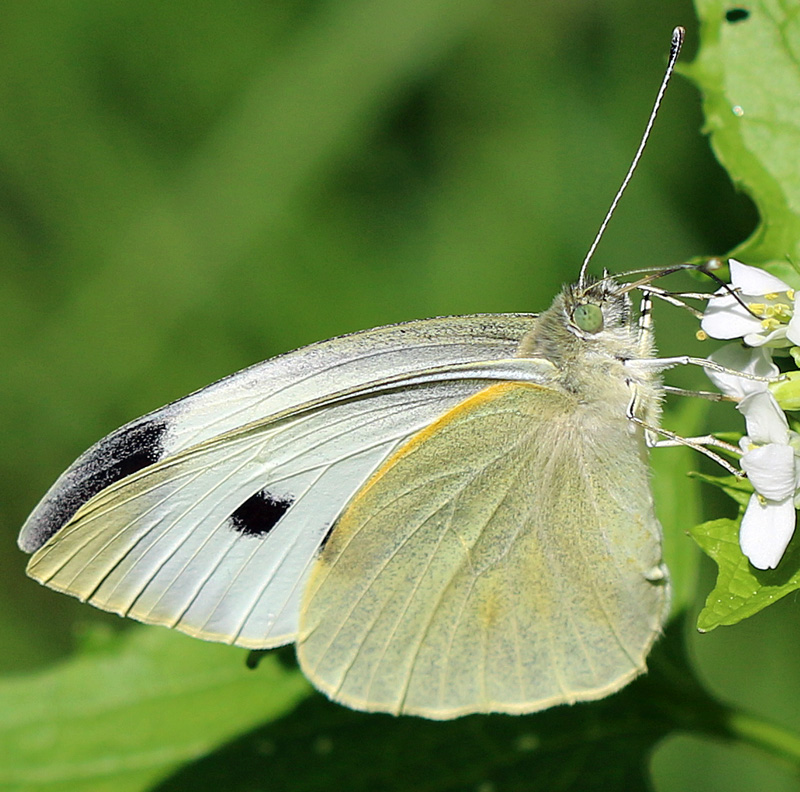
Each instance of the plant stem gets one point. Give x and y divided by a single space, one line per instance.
778 741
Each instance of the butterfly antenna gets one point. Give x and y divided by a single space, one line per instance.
678 35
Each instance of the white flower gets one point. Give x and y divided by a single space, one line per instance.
762 313
756 362
771 459
769 317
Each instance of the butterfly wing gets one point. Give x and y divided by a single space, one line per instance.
525 573
206 514
271 388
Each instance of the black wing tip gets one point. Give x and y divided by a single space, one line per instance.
117 456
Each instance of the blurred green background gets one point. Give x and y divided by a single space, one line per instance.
191 187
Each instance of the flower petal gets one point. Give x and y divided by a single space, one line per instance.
726 318
774 338
771 470
766 530
748 361
766 421
793 328
754 281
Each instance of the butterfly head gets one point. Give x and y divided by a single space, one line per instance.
587 320
596 311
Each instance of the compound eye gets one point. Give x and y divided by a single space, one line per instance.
589 318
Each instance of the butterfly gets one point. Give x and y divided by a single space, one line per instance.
446 516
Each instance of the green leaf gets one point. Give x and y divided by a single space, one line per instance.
747 68
738 489
787 391
741 590
123 717
600 746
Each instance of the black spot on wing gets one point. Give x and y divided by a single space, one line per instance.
259 514
121 454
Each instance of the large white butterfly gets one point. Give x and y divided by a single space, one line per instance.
447 516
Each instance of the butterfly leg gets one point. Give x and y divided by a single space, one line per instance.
645 335
661 364
678 299
657 437
645 344
711 396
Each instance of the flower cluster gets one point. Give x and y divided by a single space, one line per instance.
762 313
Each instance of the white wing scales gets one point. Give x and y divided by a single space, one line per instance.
216 538
161 547
267 389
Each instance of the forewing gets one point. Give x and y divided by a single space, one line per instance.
205 515
217 540
505 559
268 389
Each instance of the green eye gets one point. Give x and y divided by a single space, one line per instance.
589 318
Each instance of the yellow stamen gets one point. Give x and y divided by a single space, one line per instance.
779 311
701 335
